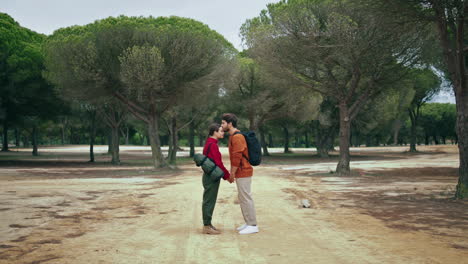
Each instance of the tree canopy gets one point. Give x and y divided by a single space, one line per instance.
145 62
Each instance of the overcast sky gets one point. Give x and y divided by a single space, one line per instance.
45 16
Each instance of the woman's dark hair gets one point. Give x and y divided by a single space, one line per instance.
230 118
213 128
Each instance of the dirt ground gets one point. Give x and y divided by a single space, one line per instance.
396 208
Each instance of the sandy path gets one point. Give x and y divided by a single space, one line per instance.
159 221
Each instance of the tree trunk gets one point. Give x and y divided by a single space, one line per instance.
322 152
92 136
109 142
34 141
413 138
462 137
114 145
201 140
357 140
26 141
270 140
396 131
320 142
413 119
343 168
253 123
126 136
286 139
414 115
263 142
72 135
5 136
192 139
307 143
368 140
170 148
63 135
324 137
454 48
17 138
331 140
322 148
148 141
153 132
174 142
377 140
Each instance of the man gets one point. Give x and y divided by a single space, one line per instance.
241 173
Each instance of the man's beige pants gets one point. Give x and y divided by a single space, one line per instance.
245 200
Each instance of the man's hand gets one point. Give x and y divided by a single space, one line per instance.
232 175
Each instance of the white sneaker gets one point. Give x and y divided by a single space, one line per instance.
241 227
249 230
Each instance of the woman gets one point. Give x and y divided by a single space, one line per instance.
210 193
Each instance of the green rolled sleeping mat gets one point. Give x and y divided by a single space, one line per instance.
208 166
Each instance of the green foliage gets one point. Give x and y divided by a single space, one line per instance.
151 65
19 51
425 84
88 58
439 119
24 91
378 115
260 95
338 48
142 67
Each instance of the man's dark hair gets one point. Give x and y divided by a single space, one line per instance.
213 128
230 118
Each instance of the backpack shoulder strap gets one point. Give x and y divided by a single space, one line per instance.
245 157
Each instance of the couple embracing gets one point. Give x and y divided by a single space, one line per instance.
241 172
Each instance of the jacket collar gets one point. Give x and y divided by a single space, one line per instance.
210 139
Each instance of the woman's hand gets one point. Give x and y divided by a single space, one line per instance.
231 178
232 174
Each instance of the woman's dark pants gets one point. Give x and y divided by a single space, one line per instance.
209 198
